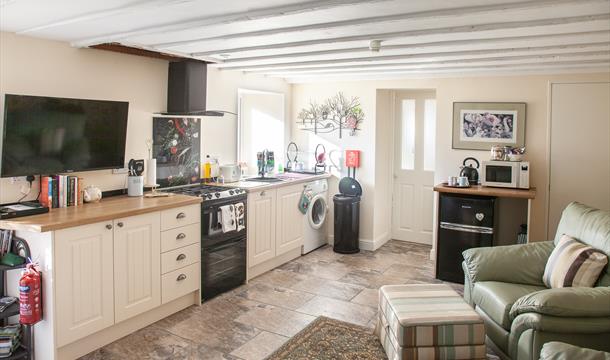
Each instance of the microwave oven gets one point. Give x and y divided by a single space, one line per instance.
506 174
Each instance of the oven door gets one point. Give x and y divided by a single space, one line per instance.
223 267
500 174
211 222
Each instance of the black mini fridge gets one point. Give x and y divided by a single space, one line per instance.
464 222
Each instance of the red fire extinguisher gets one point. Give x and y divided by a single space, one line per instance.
30 296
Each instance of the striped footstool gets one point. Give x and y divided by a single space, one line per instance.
428 321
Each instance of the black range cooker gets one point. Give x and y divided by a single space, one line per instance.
223 254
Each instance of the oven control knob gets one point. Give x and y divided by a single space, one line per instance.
231 192
217 195
209 196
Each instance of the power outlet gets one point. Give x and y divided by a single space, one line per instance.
120 171
16 179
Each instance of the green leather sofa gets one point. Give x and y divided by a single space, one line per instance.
504 285
555 350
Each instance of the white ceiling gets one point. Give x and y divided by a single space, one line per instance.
304 40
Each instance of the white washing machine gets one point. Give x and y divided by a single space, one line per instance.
314 224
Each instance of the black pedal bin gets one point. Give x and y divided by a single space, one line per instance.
347 224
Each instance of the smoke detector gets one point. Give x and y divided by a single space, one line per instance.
375 45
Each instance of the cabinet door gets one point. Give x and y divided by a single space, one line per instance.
137 265
289 220
261 226
83 281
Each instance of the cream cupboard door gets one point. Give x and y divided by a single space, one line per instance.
579 149
261 226
137 265
83 281
289 233
413 195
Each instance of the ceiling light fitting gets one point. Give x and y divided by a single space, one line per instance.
375 45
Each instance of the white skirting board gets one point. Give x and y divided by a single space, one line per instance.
366 244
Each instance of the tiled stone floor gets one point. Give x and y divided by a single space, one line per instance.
253 320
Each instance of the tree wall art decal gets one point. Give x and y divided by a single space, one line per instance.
336 114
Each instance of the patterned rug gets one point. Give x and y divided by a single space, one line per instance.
329 339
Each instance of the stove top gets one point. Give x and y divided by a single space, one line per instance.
209 192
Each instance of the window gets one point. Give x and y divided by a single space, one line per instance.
408 135
261 127
429 133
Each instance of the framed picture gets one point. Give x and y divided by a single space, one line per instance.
480 125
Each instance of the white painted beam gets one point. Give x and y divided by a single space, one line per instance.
346 62
434 64
97 15
439 15
415 33
235 18
565 38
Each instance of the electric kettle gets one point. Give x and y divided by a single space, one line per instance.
470 172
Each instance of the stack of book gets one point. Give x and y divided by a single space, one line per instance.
10 339
59 191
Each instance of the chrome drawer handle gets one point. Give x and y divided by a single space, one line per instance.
181 277
181 215
108 226
180 236
263 193
181 257
120 224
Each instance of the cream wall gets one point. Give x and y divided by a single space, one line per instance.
50 68
374 174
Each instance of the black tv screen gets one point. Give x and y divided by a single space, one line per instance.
47 135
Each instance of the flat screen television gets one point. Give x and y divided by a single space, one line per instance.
49 135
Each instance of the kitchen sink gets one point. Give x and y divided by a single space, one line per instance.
264 179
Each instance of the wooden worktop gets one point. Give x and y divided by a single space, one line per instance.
106 209
479 190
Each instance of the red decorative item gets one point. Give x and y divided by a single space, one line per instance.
30 296
173 150
352 158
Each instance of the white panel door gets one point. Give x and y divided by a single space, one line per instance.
413 196
137 265
83 281
289 219
261 226
580 148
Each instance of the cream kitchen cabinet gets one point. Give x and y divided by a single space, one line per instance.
261 226
84 286
137 265
289 220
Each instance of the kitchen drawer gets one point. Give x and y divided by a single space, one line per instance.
180 237
180 216
179 258
179 283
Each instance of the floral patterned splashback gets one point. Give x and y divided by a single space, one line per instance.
177 148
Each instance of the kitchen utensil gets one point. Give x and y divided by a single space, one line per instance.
136 167
452 180
463 181
470 172
230 172
320 155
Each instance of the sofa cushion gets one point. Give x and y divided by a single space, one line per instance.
589 225
497 298
573 264
555 350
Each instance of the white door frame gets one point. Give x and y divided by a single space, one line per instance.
547 200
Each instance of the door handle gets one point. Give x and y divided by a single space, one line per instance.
181 277
180 257
180 236
181 215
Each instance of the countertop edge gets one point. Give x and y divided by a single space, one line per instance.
479 190
26 224
258 186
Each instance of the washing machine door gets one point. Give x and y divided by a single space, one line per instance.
316 215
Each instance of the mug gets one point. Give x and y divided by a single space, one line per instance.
462 181
452 181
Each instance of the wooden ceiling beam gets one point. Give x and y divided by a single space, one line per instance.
385 58
97 15
415 33
566 38
594 55
410 16
234 18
